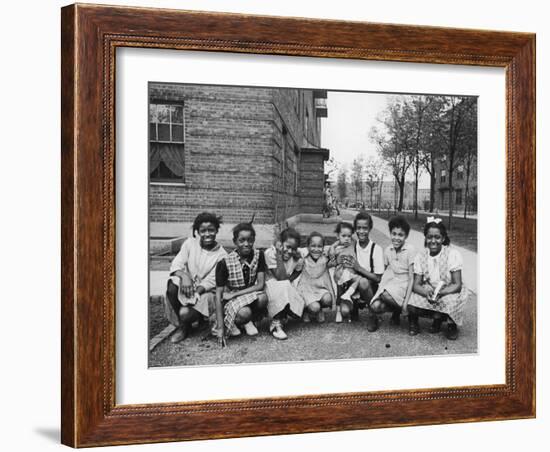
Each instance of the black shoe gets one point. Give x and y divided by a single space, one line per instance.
452 331
372 323
414 328
396 318
436 326
354 315
180 334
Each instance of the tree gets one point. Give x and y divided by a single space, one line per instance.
357 168
419 106
469 152
341 183
393 138
432 142
373 175
453 133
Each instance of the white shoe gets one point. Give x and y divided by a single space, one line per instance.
250 329
347 295
338 317
321 316
306 317
277 331
234 331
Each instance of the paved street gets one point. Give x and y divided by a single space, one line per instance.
318 341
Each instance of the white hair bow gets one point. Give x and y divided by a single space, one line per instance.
433 220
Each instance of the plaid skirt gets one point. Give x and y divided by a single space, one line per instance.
452 304
233 306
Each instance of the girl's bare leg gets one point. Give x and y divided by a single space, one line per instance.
187 316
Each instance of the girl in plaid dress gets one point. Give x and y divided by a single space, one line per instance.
438 291
240 280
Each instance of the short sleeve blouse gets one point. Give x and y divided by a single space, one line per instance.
454 264
400 261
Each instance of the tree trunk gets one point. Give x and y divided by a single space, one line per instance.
432 191
401 184
415 198
379 197
370 198
450 195
466 197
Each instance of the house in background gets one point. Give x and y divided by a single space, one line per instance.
236 151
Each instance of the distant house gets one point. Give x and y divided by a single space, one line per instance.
237 151
462 198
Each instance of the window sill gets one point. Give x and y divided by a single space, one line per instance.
169 184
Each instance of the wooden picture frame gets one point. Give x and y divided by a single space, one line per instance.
90 36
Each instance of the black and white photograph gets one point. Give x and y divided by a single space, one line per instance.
294 224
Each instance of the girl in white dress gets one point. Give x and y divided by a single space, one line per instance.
191 286
438 290
284 265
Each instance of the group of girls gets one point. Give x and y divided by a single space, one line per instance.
237 289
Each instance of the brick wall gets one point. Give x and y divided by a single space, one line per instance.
242 151
311 190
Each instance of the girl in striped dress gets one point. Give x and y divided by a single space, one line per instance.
438 290
240 280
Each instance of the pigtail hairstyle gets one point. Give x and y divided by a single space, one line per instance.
243 227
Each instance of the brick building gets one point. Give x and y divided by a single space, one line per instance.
386 194
235 151
460 177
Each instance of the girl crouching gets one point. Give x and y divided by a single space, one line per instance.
283 266
438 290
315 283
240 278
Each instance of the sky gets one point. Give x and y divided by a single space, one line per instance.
345 132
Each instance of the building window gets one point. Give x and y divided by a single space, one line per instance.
166 123
460 172
458 197
443 176
166 143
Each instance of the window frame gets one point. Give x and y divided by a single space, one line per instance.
177 181
171 123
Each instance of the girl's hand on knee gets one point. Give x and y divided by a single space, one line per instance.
186 285
228 296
